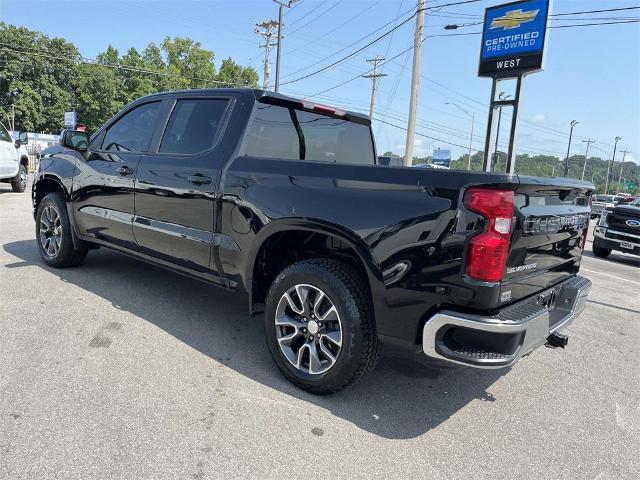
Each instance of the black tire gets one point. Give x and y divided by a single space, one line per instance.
347 290
600 252
66 255
19 183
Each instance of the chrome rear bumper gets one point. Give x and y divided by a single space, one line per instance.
501 340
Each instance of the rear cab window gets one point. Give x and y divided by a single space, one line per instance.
288 133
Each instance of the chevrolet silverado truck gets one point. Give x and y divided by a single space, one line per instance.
618 229
14 160
283 199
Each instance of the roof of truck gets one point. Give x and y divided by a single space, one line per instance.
261 95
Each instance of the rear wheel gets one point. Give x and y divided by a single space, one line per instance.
53 233
19 183
319 325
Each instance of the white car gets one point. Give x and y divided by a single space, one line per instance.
14 160
602 202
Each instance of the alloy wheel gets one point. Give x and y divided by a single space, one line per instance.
50 231
308 329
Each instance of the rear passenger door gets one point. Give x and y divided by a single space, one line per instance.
177 181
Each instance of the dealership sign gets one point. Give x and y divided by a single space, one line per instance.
513 38
70 119
441 157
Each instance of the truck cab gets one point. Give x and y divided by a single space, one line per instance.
14 160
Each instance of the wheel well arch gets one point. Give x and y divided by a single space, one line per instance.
44 186
294 243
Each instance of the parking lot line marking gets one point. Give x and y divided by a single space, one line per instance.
608 275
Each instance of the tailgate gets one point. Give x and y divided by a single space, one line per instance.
551 222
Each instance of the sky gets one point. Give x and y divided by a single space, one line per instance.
591 74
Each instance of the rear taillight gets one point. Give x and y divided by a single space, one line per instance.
487 252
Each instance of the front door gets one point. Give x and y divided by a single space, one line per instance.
103 185
176 186
8 154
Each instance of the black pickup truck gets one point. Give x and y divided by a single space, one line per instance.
282 199
618 229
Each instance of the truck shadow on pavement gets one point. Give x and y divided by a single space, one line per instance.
400 399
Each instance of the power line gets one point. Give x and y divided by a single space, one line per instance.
426 136
371 43
316 17
308 13
357 15
351 54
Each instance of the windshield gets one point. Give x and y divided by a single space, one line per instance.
604 198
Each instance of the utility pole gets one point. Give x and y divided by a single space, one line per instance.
624 154
609 165
265 28
415 83
473 120
586 155
374 80
566 160
13 117
282 5
501 96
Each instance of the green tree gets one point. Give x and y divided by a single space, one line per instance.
232 74
44 77
38 85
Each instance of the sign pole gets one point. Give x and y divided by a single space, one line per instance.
486 165
511 156
514 36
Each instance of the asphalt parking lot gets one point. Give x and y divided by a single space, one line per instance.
118 369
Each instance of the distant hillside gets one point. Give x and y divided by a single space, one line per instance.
543 166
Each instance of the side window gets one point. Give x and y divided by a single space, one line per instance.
273 134
4 135
96 143
193 126
132 132
331 139
292 134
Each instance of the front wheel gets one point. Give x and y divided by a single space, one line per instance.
319 325
601 252
53 233
19 183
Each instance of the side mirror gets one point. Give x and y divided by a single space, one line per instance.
75 140
23 138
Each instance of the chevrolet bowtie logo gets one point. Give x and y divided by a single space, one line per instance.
513 19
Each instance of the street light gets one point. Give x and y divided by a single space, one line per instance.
282 5
586 156
473 119
501 96
615 145
566 160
